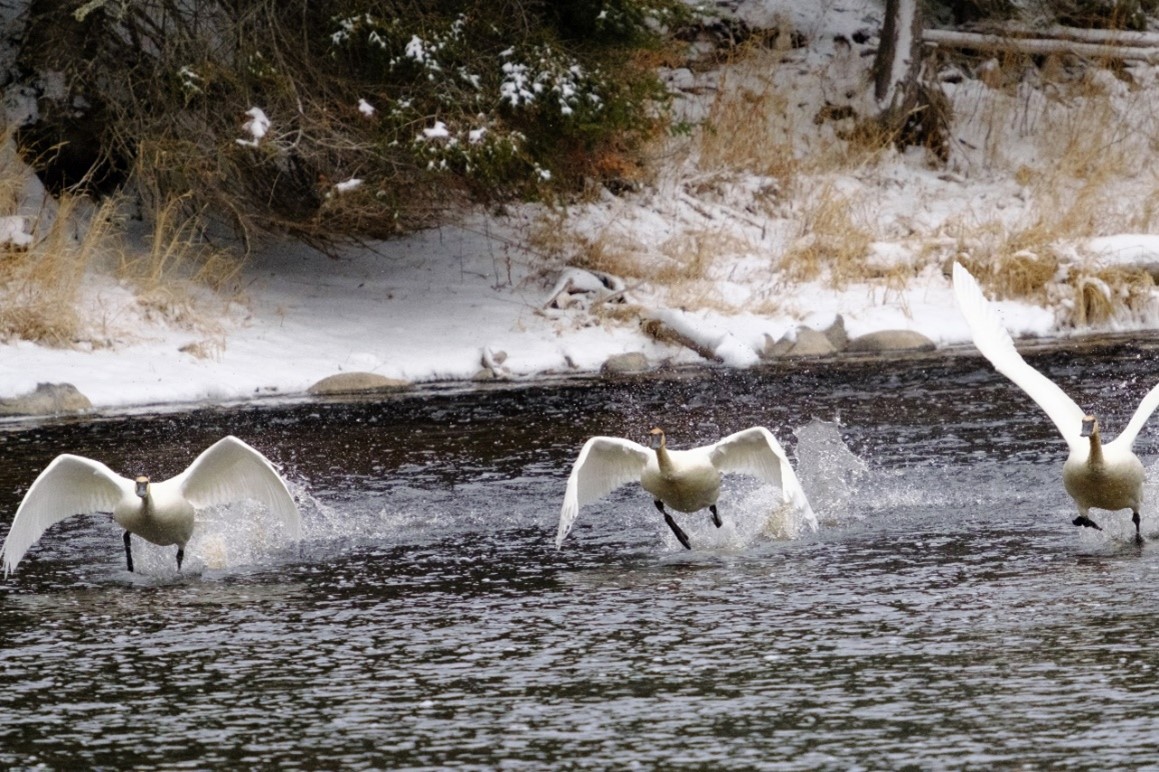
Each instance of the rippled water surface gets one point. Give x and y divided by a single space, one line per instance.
946 615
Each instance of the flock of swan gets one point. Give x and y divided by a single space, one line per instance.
1096 475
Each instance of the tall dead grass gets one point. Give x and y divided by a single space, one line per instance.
1087 138
40 287
834 241
42 297
751 127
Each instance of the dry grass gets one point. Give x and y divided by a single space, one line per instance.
833 241
751 127
171 274
178 253
1025 274
40 287
1070 146
1096 296
1089 139
754 126
1109 294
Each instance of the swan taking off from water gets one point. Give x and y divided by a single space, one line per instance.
685 480
1106 476
229 470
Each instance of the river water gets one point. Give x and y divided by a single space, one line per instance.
946 614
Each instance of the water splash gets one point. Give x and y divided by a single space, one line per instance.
828 470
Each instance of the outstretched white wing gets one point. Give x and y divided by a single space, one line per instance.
1142 413
756 451
995 344
229 470
70 485
604 464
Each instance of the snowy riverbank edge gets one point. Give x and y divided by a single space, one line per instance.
1077 345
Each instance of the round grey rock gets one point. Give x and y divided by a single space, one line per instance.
47 399
626 364
891 340
357 383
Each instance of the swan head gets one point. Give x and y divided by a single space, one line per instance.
1090 426
142 486
656 438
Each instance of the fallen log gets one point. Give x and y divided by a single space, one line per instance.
986 42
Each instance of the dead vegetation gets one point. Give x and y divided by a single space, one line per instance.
43 284
40 286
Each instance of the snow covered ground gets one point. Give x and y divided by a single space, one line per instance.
434 305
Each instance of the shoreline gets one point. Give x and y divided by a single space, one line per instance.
420 389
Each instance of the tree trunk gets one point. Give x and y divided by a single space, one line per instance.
898 61
908 111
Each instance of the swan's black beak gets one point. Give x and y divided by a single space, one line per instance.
142 486
1089 426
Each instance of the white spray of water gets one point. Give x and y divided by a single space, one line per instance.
828 470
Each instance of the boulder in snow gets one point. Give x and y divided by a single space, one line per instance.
493 369
811 343
626 364
837 335
774 349
47 399
891 340
357 383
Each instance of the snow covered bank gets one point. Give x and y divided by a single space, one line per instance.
426 308
728 256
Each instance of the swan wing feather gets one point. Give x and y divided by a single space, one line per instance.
230 470
992 339
1142 413
604 464
69 485
755 451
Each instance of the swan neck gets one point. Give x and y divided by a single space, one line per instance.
1096 454
663 459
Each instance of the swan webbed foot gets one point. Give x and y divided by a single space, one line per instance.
129 551
1086 522
715 516
1136 520
683 537
180 557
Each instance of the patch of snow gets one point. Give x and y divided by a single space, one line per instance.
257 126
13 231
438 131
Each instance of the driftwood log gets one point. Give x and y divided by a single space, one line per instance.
1123 49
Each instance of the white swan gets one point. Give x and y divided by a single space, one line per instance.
686 480
1106 476
162 512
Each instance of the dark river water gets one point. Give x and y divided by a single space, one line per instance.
945 615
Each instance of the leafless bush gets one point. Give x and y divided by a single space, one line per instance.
343 118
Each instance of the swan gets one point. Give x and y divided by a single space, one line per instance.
162 512
1103 476
685 480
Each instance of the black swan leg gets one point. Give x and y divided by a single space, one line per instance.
129 551
715 516
683 537
180 557
1138 533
